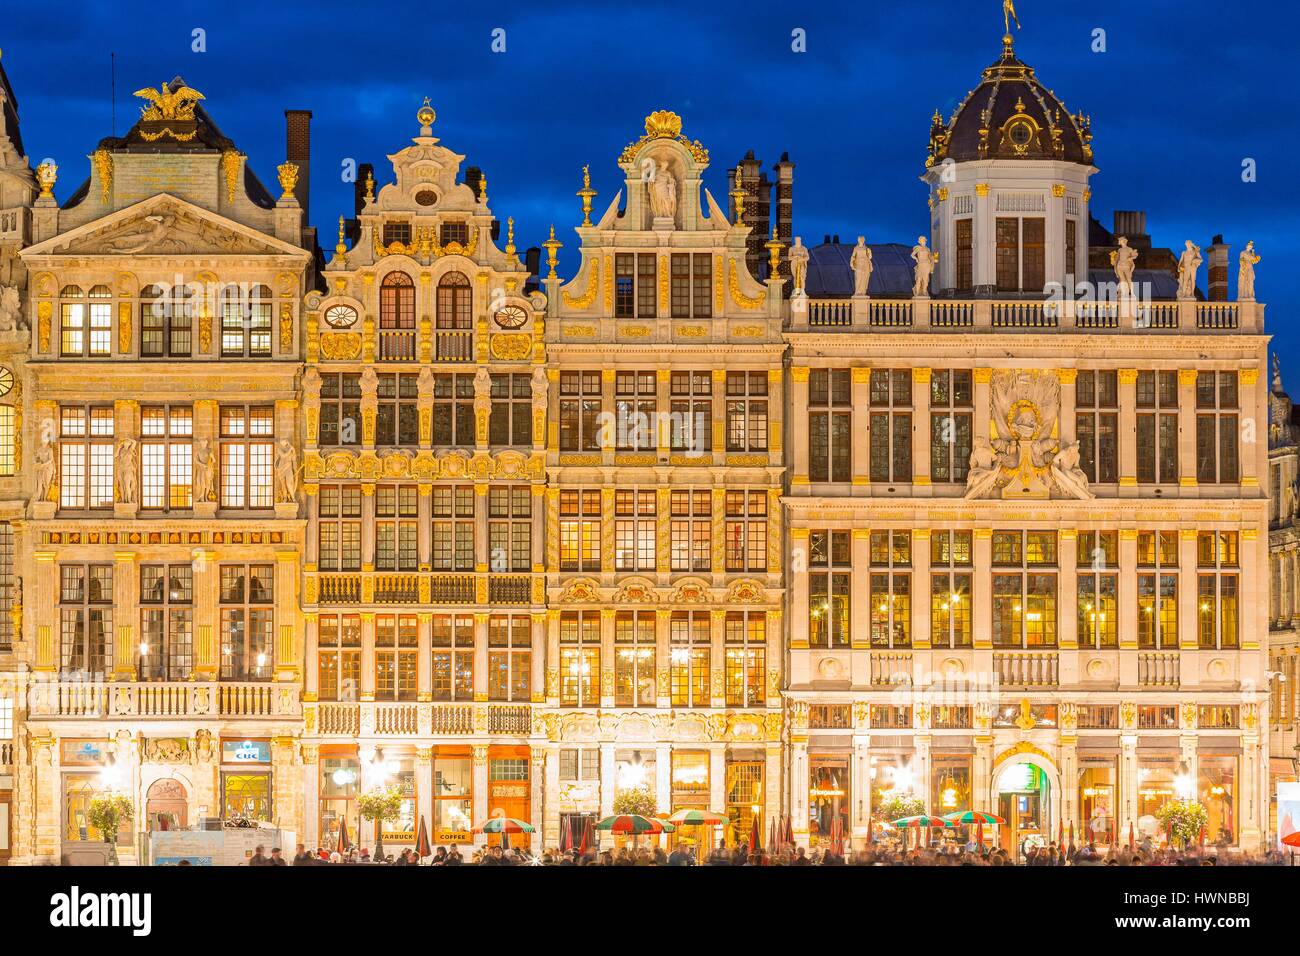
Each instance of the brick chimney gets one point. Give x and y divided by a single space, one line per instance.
1217 258
297 149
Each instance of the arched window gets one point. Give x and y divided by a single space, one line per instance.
454 302
72 337
397 302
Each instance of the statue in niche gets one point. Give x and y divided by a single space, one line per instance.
663 192
204 470
46 465
1188 263
862 265
124 469
286 472
11 309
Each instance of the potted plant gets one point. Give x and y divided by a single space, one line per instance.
1183 820
899 805
637 800
107 815
382 806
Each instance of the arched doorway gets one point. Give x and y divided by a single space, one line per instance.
166 804
1026 794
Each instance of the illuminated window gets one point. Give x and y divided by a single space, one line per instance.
950 588
891 425
166 622
1157 560
1097 554
247 617
247 454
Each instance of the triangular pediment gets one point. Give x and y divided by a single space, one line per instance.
164 225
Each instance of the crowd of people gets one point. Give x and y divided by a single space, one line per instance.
950 854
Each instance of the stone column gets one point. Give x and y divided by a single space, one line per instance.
860 405
310 796
1254 407
1128 785
424 789
311 656
367 692
606 675
43 606
663 658
424 660
537 661
860 786
1068 592
799 589
982 588
288 655
773 805
799 414
286 779
663 782
981 777
1187 427
480 790
537 796
608 779
1188 612
859 590
480 656
983 245
775 417
799 787
1068 377
125 612
206 638
921 588
1127 598
921 769
921 426
1069 785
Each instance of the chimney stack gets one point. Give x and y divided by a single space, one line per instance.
784 199
1217 257
297 149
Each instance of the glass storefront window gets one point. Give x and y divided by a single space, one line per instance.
509 782
403 778
1097 801
828 797
1217 791
78 791
634 770
1155 789
453 803
744 798
246 796
950 784
340 780
690 779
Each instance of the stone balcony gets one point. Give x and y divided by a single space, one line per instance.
410 719
162 700
1139 317
421 588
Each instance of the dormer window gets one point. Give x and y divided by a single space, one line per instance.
397 232
1021 255
454 232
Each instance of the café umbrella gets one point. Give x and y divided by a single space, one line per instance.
505 826
922 821
344 844
422 847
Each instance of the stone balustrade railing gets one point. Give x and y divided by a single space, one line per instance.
162 700
1137 316
404 719
422 588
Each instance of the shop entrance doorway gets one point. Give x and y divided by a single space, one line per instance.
1024 801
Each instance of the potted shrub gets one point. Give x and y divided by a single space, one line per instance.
107 815
1183 820
638 800
382 806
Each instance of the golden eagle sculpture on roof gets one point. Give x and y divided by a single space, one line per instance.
165 104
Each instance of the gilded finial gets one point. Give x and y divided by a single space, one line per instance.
287 173
586 193
551 245
482 188
340 249
738 198
47 174
510 235
370 187
426 115
774 247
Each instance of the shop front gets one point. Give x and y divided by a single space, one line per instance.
246 792
1157 784
453 796
1098 798
89 772
690 791
340 782
746 793
509 789
397 771
1217 791
1023 794
950 791
829 797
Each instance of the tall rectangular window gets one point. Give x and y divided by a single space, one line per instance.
951 412
691 285
453 528
1218 594
691 412
340 408
1157 587
86 619
579 658
86 457
453 410
338 527
580 530
691 530
339 657
510 657
1217 428
247 619
396 653
397 416
634 659
745 656
830 580
166 622
891 425
580 404
453 657
746 411
247 453
1097 424
511 422
510 527
397 528
830 425
1157 427
635 405
166 468
746 530
1024 589
690 652
1097 556
950 588
965 256
634 285
634 530
891 589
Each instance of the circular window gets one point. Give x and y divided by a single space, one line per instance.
6 380
340 316
1020 134
511 317
426 197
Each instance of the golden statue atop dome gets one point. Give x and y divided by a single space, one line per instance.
1009 17
168 104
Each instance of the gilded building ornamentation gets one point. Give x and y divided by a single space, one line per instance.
103 161
737 296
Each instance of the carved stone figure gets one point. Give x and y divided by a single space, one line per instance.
1124 259
925 258
151 229
1025 460
663 193
46 466
204 470
1246 273
286 472
541 385
11 310
861 264
1188 263
798 263
124 471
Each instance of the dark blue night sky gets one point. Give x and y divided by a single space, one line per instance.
1186 90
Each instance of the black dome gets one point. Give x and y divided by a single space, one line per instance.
1011 115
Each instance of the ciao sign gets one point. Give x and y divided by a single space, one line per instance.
245 751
